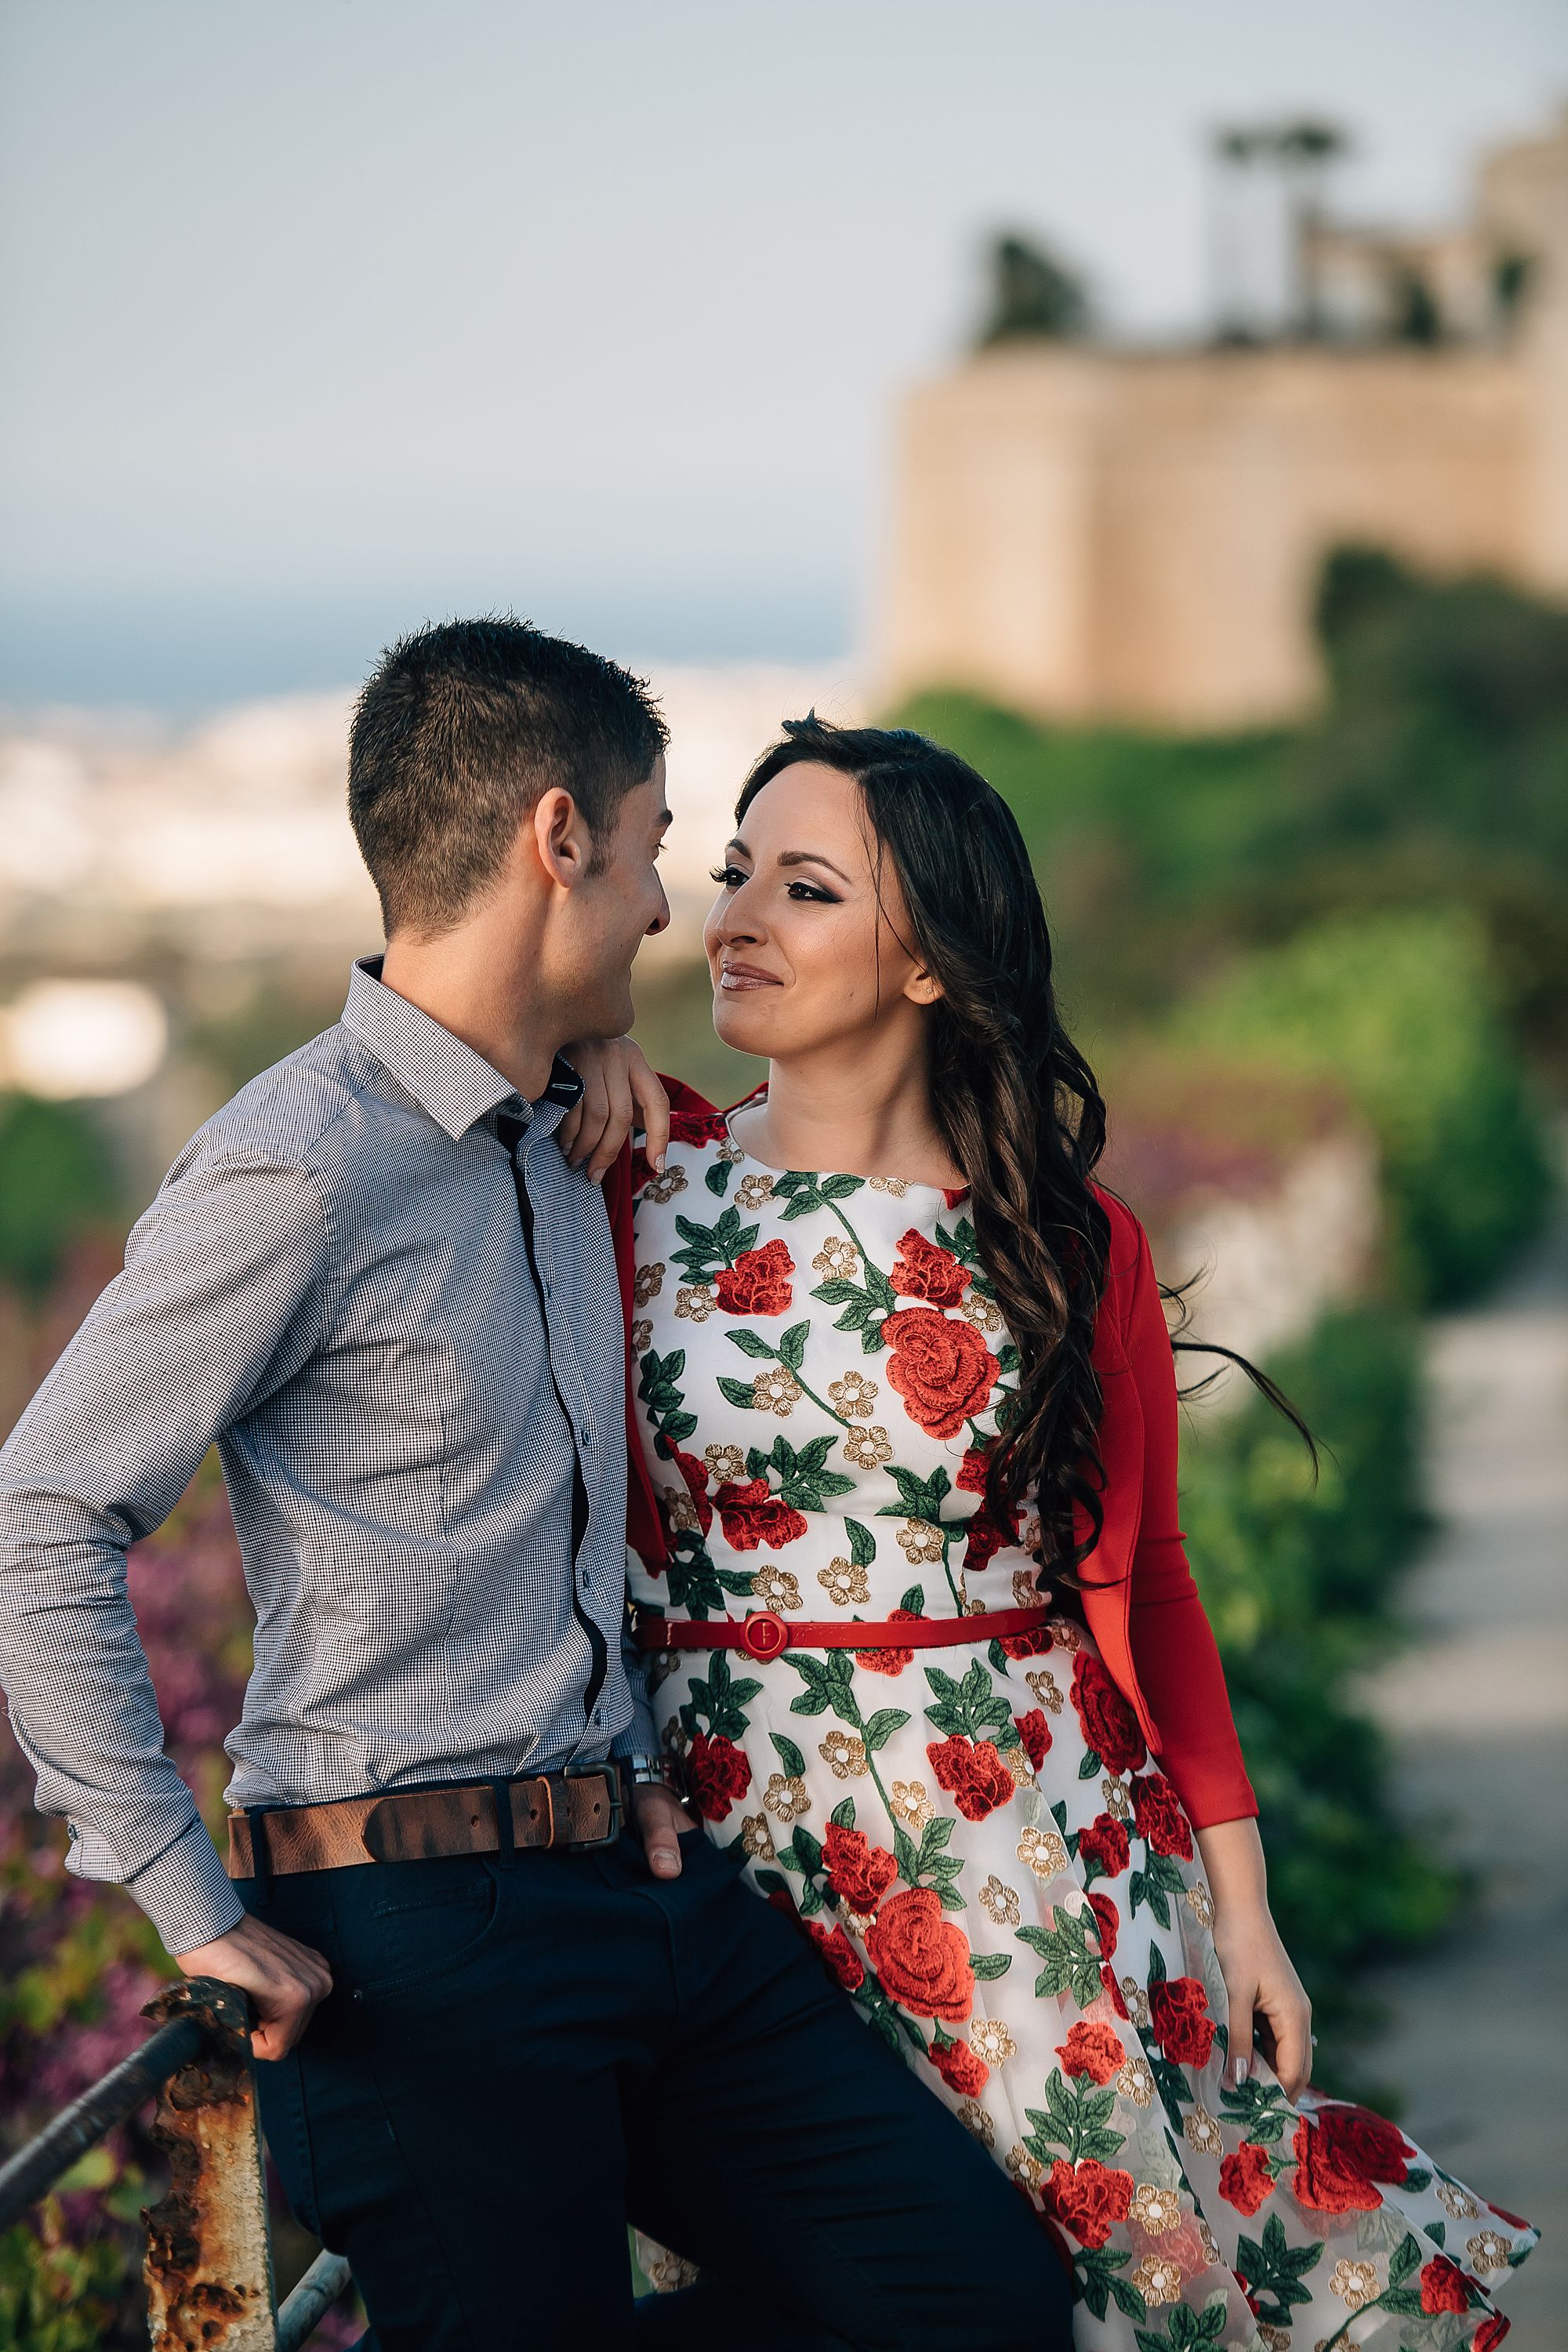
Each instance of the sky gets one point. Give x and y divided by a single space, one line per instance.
321 316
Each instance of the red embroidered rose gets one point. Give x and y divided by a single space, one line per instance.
1105 1842
1088 2198
758 1282
1091 2049
1108 1978
858 1872
976 1774
694 1476
988 1537
1490 2333
941 1366
922 1958
923 1271
1179 2008
717 1772
1110 1918
1025 1645
971 1469
753 1514
1157 1816
1324 2182
838 1955
960 2068
1036 1734
888 1661
1364 2143
1443 2286
697 1125
1109 1726
1246 2179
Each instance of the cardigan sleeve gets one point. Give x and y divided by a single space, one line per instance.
1174 1650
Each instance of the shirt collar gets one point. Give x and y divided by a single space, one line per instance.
449 1079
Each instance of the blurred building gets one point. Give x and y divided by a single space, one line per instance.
1085 532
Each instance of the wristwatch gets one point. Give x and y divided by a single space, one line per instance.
655 1772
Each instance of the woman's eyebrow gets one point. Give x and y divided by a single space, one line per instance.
814 858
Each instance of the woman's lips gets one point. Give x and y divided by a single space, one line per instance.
735 977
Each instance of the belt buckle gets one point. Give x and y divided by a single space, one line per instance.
610 1771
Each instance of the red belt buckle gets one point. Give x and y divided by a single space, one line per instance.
765 1634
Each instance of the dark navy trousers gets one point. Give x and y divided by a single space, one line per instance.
517 2057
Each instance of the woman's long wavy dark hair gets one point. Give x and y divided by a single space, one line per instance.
1015 1102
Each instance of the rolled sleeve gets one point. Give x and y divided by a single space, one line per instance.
217 1308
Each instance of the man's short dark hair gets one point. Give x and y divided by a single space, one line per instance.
457 733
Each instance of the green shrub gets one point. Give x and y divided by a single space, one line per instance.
1400 1010
1300 1579
56 1176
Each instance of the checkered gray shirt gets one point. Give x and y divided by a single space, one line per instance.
334 1285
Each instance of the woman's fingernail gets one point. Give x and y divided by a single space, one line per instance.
1242 2071
658 1165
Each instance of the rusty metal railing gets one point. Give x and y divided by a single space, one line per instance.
208 2268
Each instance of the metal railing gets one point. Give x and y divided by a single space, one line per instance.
208 2267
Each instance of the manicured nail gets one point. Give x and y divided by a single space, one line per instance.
658 1165
1242 2071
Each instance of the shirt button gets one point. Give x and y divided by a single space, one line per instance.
587 1580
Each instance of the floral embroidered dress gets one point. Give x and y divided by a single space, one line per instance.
975 1836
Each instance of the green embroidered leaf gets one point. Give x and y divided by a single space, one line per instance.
815 1699
792 1346
843 1814
987 1965
718 1178
914 1600
807 1851
1097 2278
751 1343
839 1188
862 1544
933 1838
1405 2258
789 1755
906 1856
1008 1358
738 1392
1140 1889
677 1427
736 1580
1089 1764
880 1726
919 1498
768 1882
1070 1966
1438 2232
1416 2179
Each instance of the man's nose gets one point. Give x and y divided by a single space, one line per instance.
661 920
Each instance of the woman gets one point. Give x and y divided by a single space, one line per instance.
927 1642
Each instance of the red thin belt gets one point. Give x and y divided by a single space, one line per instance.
765 1634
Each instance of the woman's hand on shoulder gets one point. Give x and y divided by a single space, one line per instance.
620 1093
1268 2000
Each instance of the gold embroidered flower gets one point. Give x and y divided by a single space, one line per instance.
1157 2278
1118 1803
999 1902
729 1152
1353 2283
752 1191
857 1922
665 1188
680 1507
984 1313
867 1449
920 1541
895 1185
1065 1634
1044 1685
1488 2250
756 1838
1025 1591
642 1338
1274 2340
911 1804
990 2040
1137 2001
1044 1850
1136 2081
698 1300
648 1281
726 1464
1456 2200
1016 1759
787 1798
1154 2210
1024 2167
1031 1540
665 2272
774 1587
843 1583
973 2118
837 1258
1210 2245
777 1391
1201 2131
677 1738
854 1395
844 1755
1200 1902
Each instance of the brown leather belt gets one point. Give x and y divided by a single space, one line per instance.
585 1807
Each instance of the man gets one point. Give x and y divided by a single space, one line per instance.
493 2025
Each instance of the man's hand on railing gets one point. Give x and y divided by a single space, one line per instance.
284 1980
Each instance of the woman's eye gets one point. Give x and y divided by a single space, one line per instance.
809 890
730 876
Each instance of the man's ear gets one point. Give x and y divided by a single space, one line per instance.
560 838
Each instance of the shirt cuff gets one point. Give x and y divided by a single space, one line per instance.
640 1737
187 1894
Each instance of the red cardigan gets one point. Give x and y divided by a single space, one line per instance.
1139 1599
